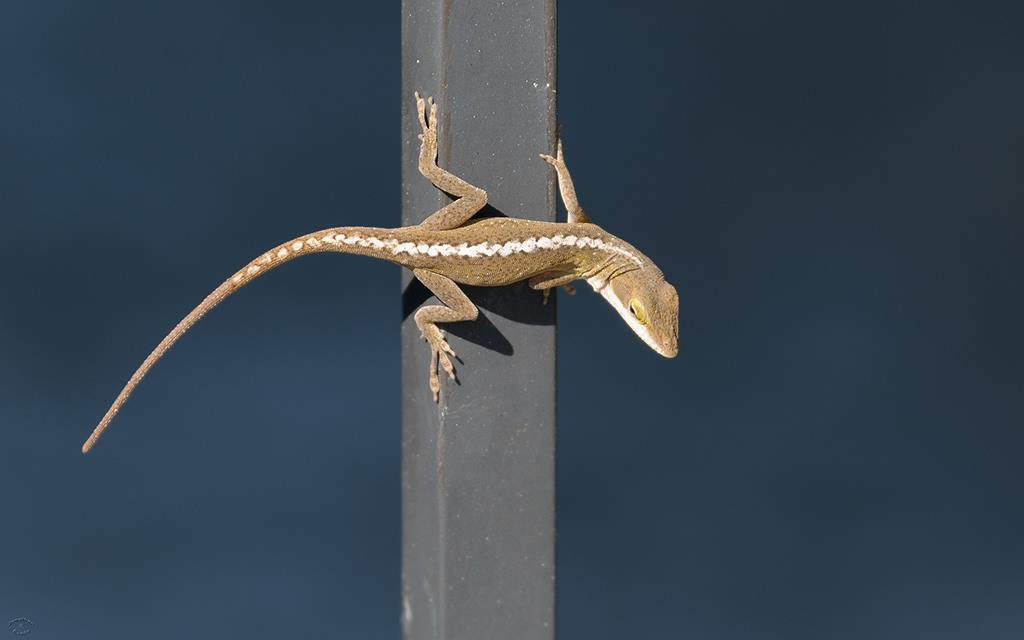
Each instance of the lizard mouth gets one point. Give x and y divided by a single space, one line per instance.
668 351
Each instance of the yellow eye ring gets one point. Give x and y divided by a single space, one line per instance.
637 309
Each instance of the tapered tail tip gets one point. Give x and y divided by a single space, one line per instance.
88 445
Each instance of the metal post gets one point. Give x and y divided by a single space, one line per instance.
478 469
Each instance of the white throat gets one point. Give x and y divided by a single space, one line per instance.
641 330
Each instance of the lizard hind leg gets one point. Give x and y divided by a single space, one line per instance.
455 307
469 199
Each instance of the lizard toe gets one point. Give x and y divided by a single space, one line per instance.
446 364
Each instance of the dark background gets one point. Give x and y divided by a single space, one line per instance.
835 188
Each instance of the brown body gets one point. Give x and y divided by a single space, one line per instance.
487 252
450 248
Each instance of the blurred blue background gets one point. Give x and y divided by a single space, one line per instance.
835 188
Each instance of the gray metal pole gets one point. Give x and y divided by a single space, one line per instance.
478 469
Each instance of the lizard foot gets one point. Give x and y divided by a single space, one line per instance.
440 351
558 162
428 127
568 288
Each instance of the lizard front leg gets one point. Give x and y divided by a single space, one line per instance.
565 186
455 307
548 280
469 198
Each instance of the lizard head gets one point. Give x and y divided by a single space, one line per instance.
649 305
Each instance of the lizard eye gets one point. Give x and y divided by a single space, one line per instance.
637 309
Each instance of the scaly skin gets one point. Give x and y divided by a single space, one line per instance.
448 249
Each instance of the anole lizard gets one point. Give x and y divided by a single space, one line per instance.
449 248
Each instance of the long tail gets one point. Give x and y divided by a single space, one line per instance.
345 239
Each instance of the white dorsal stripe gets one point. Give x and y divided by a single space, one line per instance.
532 244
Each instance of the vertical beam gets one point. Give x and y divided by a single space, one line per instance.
478 469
